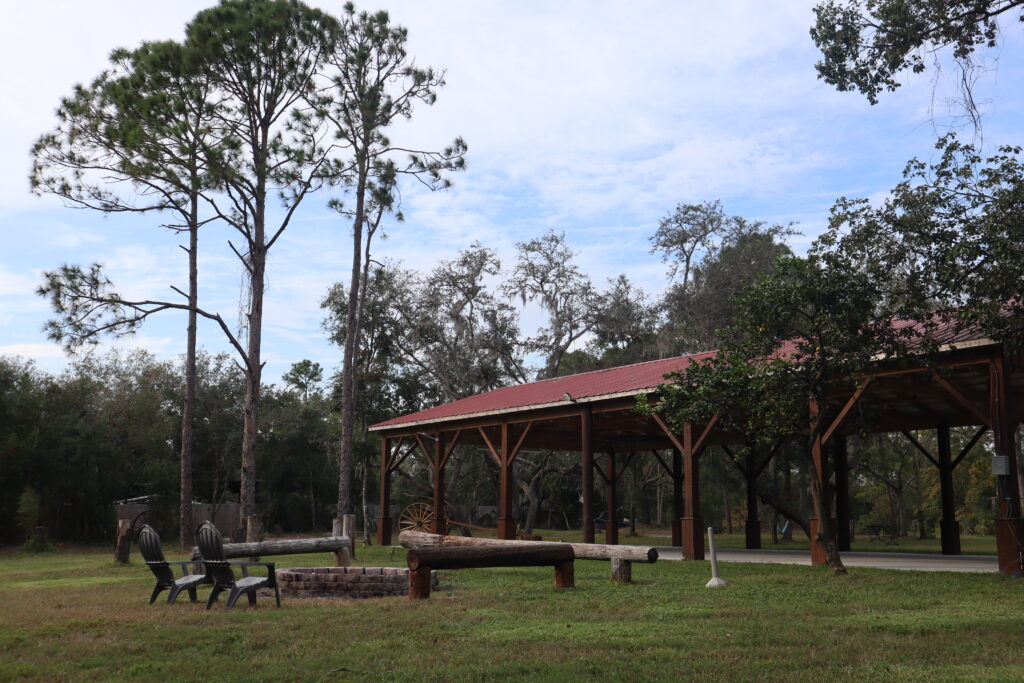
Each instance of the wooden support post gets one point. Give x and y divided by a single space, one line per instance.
565 574
123 545
950 528
506 515
622 570
419 583
587 449
693 524
611 525
384 515
677 498
1009 539
440 524
842 470
753 525
818 557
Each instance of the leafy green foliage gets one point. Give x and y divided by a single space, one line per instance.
947 245
711 257
866 44
305 377
546 273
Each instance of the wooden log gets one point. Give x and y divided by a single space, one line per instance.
581 551
124 541
419 584
622 570
285 546
470 557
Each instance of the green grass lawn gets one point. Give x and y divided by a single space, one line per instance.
74 615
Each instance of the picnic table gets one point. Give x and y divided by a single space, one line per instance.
882 532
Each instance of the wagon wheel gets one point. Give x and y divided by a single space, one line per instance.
137 525
416 517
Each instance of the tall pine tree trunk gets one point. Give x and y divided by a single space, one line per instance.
348 369
253 376
188 404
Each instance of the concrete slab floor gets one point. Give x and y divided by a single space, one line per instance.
907 561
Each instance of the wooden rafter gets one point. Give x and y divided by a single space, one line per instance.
490 446
664 465
699 443
601 472
519 443
625 463
395 462
451 447
970 444
963 400
917 444
423 447
668 432
846 409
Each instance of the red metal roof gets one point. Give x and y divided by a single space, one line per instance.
620 381
625 380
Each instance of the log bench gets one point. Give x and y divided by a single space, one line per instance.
622 557
295 546
422 561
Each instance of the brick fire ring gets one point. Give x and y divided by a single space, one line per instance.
345 582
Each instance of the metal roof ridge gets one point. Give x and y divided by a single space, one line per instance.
594 372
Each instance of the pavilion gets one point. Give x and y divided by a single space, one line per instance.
975 382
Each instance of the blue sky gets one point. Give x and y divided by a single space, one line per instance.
595 118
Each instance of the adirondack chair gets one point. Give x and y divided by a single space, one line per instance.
218 568
153 554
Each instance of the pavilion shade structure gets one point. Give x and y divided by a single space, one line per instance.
973 382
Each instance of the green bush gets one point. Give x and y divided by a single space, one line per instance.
28 511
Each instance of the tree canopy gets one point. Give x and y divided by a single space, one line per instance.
867 44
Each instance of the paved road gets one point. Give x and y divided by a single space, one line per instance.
909 561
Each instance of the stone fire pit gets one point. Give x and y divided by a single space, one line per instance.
345 582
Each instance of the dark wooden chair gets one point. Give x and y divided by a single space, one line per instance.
218 568
153 554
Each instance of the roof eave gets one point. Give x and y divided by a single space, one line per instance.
518 409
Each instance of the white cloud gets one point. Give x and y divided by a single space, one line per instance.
34 351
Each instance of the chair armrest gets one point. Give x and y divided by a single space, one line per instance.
183 564
245 566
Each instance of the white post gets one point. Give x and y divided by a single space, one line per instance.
343 557
716 580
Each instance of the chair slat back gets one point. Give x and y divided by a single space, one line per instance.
149 544
153 554
211 546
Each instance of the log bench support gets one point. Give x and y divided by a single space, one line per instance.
622 556
422 560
